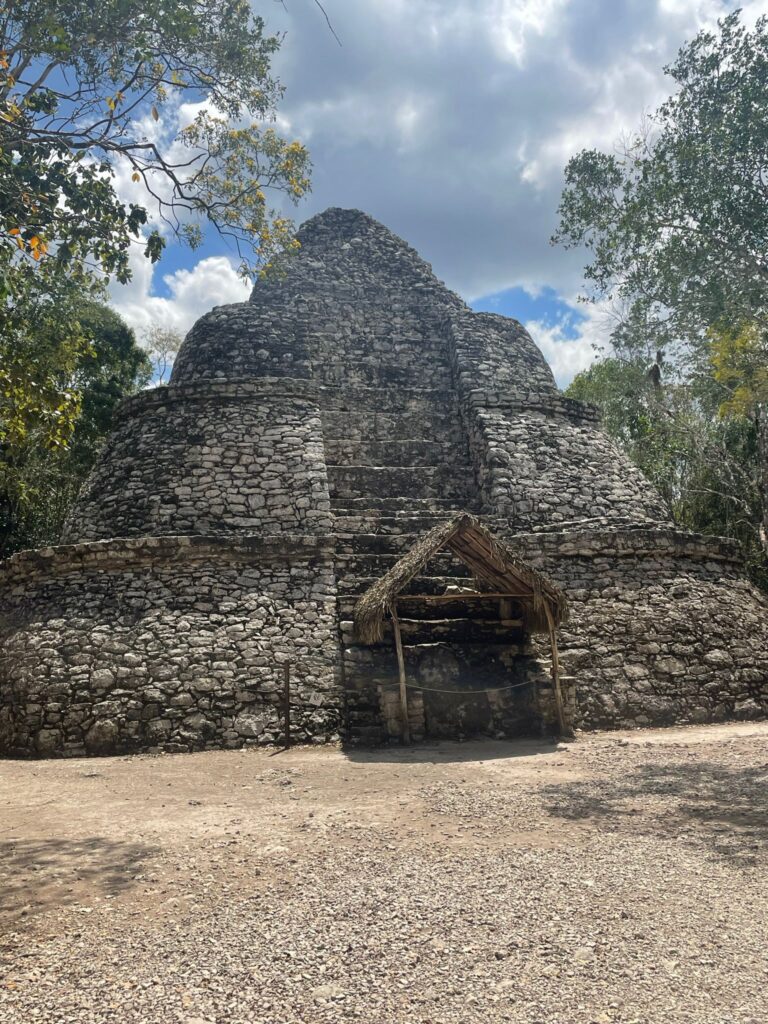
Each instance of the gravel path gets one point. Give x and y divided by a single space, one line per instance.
619 879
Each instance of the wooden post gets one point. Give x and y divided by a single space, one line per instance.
287 702
562 727
401 674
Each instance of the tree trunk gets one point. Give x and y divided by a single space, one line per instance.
761 418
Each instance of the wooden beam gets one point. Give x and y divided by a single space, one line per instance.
473 596
485 564
401 675
478 541
287 702
485 549
481 568
560 710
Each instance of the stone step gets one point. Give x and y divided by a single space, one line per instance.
373 507
392 452
431 424
357 373
442 665
383 518
420 585
395 544
413 608
439 482
366 735
388 400
378 523
389 541
376 563
461 630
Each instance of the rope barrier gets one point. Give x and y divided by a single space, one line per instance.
494 689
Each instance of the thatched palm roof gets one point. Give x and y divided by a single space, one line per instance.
496 567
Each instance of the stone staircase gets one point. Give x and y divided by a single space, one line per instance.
445 652
398 464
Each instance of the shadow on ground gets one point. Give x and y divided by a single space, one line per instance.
38 874
726 808
448 752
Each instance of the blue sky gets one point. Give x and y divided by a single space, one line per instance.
451 122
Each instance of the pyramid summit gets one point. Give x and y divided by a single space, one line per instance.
346 258
308 441
338 244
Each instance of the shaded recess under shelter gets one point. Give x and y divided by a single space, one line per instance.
525 603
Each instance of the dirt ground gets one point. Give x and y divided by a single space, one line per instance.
620 878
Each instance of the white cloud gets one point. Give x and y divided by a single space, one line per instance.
213 281
566 355
574 342
451 122
511 22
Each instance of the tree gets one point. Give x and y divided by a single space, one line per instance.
634 412
83 89
41 344
114 367
172 99
38 483
704 464
676 223
162 345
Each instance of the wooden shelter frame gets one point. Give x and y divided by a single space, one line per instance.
495 566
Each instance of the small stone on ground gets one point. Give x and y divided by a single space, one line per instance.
451 884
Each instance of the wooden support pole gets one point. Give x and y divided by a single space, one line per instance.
561 723
401 674
287 702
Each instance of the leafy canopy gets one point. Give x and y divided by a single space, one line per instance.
676 224
172 98
38 483
83 89
676 227
704 464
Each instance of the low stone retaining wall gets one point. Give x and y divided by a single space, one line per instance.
166 643
663 626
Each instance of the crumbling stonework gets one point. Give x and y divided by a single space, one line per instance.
306 439
232 458
169 642
663 628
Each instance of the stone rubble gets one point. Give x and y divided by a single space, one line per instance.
468 883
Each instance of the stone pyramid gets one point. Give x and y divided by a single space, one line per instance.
307 439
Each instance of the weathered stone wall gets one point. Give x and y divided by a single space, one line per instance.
236 457
242 341
173 643
355 302
491 353
542 467
663 626
362 315
539 458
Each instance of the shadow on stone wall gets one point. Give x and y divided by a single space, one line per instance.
723 808
42 874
